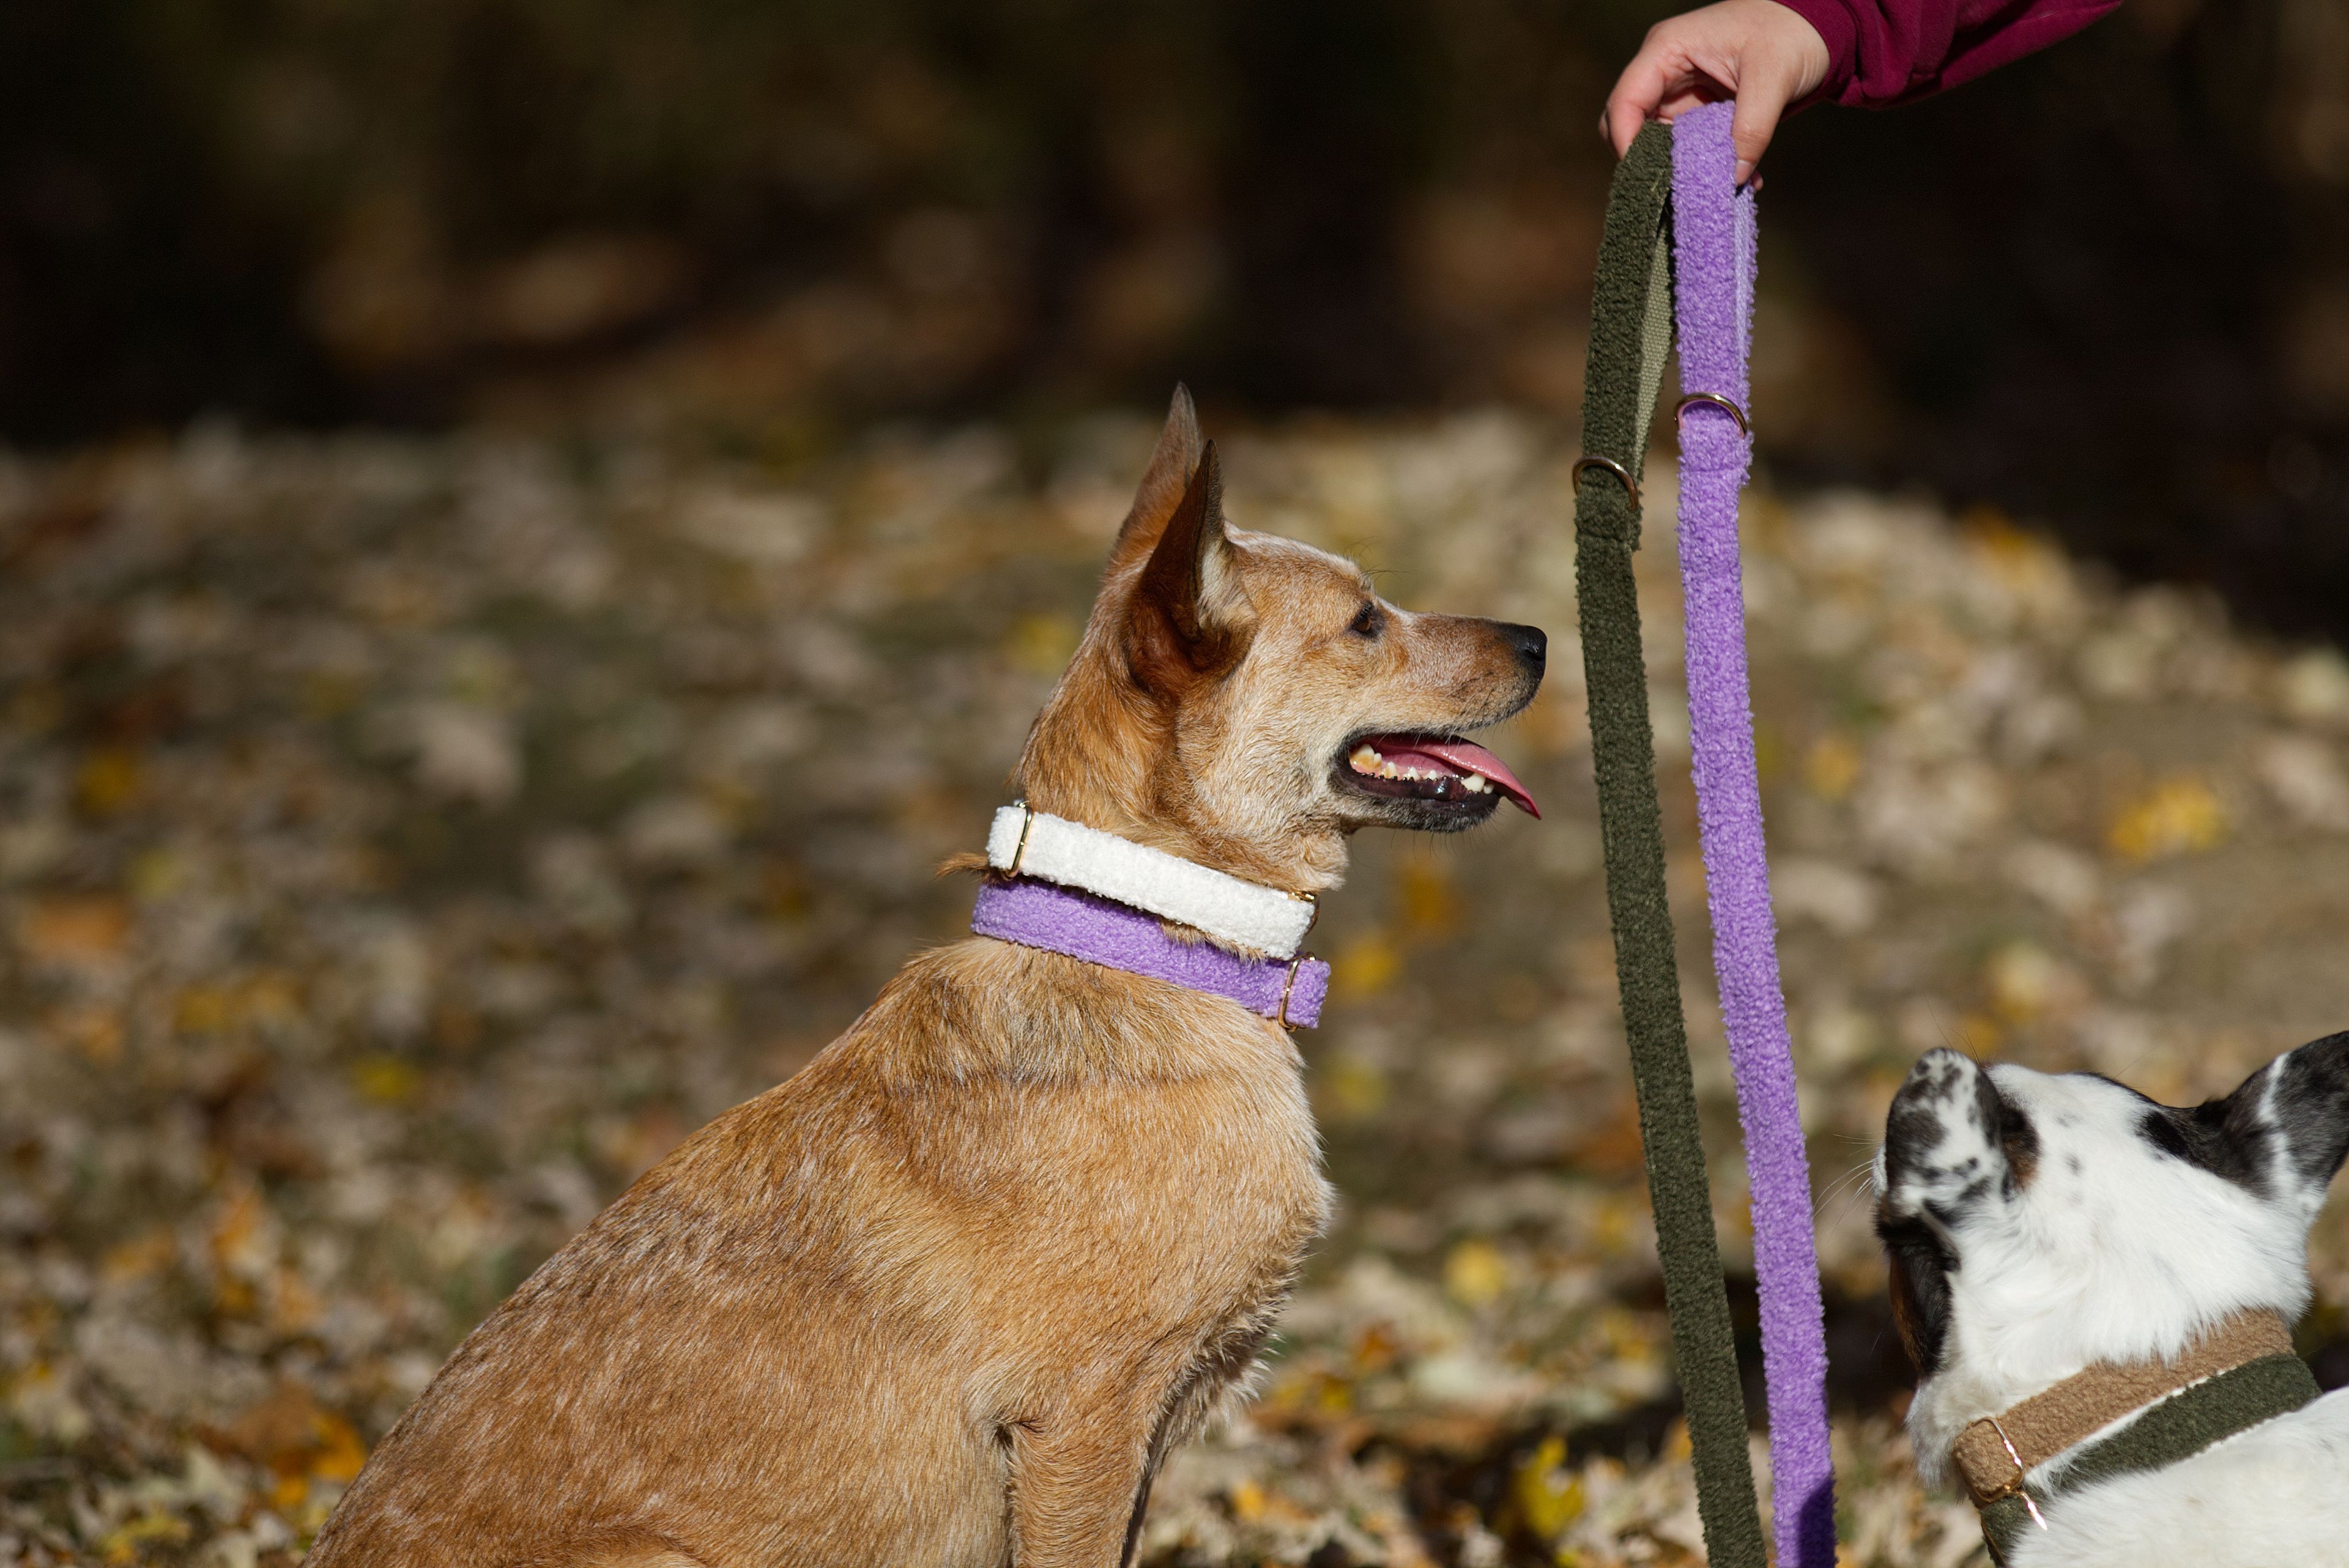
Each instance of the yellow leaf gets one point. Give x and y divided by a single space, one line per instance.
149 1254
123 1544
203 1010
1429 906
389 1080
1831 767
1978 1034
2180 816
1475 1273
108 781
341 1452
1042 643
2025 981
1548 1495
1357 1086
1366 965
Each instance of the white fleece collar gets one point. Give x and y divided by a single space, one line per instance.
1029 843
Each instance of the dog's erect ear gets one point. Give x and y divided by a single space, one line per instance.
1172 464
1955 1150
2286 1124
1174 633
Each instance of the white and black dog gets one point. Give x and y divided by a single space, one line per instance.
2050 1228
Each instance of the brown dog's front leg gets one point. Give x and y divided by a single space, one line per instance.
1076 1481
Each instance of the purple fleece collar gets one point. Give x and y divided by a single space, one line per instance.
1061 920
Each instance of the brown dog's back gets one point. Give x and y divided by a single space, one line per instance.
950 1296
817 1332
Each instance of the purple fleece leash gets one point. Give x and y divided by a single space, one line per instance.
1714 266
1084 925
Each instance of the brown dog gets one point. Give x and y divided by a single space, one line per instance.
950 1295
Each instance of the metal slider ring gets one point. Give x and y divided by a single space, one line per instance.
1313 899
1027 820
1607 465
1713 400
1280 1014
2015 1486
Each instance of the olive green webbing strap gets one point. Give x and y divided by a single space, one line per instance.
2178 1427
1631 336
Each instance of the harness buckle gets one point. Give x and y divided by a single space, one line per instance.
2013 1486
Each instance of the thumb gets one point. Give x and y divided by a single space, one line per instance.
1761 101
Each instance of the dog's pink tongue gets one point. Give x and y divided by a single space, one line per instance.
1461 757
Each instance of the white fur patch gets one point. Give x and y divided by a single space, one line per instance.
2077 1232
2113 1251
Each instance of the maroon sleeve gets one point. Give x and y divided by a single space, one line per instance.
1883 52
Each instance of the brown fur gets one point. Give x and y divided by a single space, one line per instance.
950 1295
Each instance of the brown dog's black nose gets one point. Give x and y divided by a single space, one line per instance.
1531 644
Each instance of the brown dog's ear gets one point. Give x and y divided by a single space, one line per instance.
1172 464
1174 633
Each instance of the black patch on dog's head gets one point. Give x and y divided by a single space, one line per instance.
2205 1135
2234 1138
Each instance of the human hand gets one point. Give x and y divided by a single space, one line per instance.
1758 51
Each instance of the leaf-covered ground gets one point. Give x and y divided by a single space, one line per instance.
402 844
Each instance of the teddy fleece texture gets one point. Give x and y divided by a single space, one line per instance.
1714 273
1630 330
1262 919
1060 920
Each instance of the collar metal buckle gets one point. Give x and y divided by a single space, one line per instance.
1281 1016
1027 820
2013 1487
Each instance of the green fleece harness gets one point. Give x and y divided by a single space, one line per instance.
2177 1429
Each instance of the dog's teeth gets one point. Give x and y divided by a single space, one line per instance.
1388 770
1365 759
1474 784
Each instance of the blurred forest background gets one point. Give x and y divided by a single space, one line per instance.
2107 286
529 527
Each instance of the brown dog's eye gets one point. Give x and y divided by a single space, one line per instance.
1369 621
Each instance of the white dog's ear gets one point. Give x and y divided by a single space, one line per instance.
2283 1132
1955 1152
